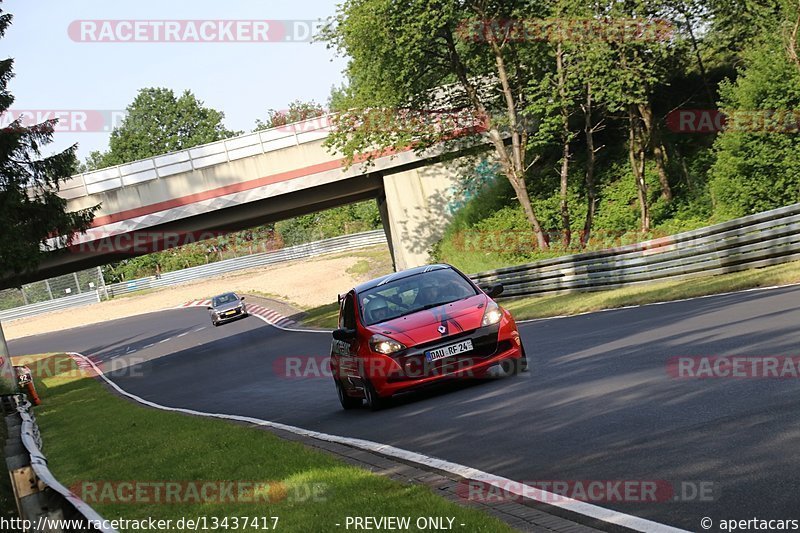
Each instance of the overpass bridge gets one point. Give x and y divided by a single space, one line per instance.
255 179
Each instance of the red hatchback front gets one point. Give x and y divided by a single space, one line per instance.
417 327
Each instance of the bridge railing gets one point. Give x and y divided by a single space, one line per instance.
199 157
759 240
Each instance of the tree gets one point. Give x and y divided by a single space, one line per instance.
297 112
757 163
31 212
428 59
158 122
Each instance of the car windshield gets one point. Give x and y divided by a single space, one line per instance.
414 293
224 299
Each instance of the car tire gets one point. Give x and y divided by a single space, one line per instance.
521 364
348 402
374 402
216 324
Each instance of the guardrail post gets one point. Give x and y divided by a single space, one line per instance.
8 379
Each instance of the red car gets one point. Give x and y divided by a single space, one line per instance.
416 328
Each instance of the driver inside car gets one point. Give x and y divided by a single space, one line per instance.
377 310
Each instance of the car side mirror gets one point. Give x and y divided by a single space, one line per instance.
242 298
210 308
494 290
344 334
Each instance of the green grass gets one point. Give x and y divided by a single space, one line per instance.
91 435
324 316
574 303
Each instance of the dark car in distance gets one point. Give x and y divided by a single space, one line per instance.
226 307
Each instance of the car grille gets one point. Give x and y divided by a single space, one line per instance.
415 366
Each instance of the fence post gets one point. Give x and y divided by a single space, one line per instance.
49 290
8 379
101 282
77 283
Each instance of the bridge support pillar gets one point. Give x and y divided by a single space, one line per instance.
419 204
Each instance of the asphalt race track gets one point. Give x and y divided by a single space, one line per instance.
598 404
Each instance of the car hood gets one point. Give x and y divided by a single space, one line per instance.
227 306
435 323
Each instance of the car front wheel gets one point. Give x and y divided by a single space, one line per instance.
348 402
374 402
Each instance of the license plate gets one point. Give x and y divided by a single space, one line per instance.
229 313
449 351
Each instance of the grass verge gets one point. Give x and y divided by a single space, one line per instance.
324 316
574 303
92 436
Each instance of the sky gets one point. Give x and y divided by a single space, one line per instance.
59 70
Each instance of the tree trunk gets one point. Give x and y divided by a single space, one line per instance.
686 174
591 195
636 156
659 152
513 165
566 230
698 57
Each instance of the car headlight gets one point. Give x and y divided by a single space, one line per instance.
492 314
385 345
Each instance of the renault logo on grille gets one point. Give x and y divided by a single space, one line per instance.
442 329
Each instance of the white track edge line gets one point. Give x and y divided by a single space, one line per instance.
586 509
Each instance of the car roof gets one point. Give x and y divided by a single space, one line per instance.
223 294
399 275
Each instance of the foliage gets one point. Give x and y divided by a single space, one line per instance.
757 163
352 218
158 122
297 112
31 212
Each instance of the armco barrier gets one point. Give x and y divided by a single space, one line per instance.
343 243
759 240
86 298
40 498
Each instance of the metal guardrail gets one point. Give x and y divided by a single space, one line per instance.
202 156
41 499
759 240
343 243
86 298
